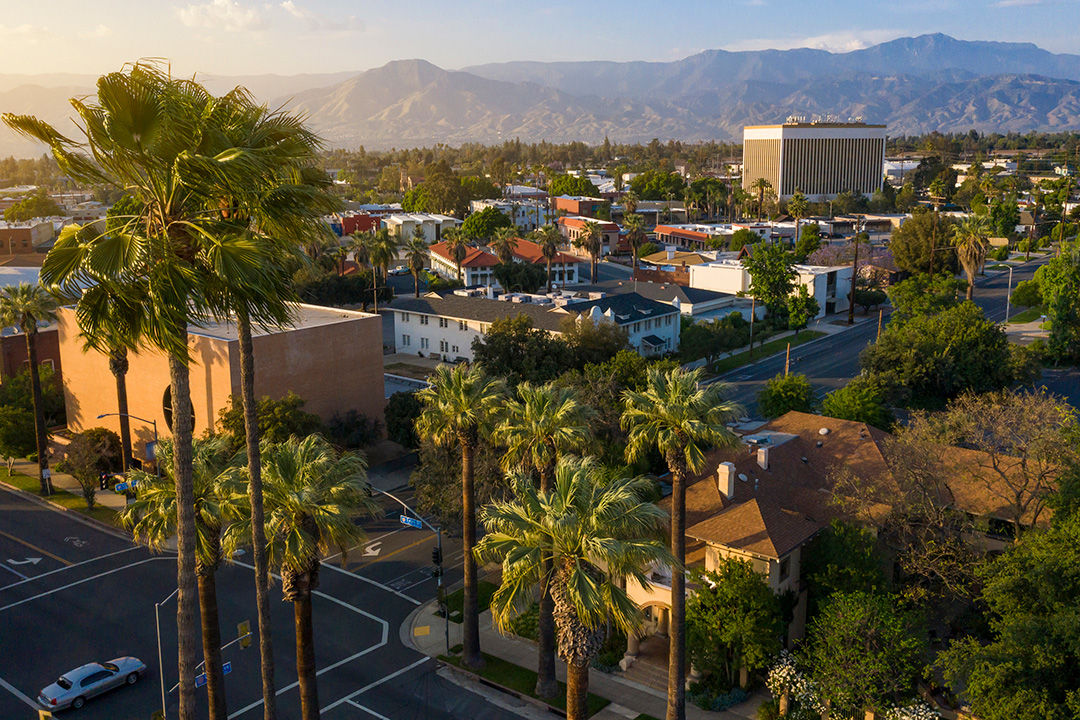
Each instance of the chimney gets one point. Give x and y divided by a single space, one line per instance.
670 253
725 479
763 457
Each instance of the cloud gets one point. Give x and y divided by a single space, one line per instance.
100 31
1017 3
845 41
26 33
321 23
224 14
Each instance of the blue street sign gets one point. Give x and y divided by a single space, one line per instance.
411 522
226 668
120 487
200 680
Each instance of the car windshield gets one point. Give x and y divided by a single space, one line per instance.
110 667
63 682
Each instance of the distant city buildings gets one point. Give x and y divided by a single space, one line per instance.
821 160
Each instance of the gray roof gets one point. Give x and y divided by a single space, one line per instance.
661 292
628 307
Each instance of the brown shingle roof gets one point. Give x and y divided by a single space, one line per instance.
756 526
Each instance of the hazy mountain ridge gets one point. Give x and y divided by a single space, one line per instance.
915 85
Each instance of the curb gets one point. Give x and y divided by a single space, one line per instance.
73 514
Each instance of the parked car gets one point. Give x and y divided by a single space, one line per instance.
399 270
75 687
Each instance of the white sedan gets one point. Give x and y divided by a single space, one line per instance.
75 687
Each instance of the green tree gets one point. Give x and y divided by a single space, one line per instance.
461 407
861 400
1059 284
402 412
540 425
592 342
656 185
584 539
572 185
1027 294
591 240
457 245
760 187
922 295
802 307
18 435
90 454
1026 669
809 241
416 255
152 520
932 358
1004 217
798 208
842 558
519 276
784 393
312 496
483 225
549 239
772 276
635 236
37 204
971 239
733 621
647 249
504 242
278 420
18 391
515 350
922 244
742 238
26 306
869 297
681 419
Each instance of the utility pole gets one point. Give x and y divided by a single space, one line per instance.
753 314
787 360
854 274
880 312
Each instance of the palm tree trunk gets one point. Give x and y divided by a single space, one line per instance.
40 435
471 656
211 639
258 527
971 285
547 684
185 530
118 364
549 275
577 691
676 706
305 658
416 283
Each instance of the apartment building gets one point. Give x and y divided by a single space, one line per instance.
527 215
831 286
573 227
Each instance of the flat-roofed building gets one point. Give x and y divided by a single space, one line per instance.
821 160
23 238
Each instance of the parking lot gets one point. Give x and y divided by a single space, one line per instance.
71 594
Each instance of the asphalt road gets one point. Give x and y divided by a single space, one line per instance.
91 596
830 362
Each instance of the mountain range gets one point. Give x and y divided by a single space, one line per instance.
914 85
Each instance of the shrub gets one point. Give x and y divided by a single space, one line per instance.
402 411
1001 253
353 430
784 393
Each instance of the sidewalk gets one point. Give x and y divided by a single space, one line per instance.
425 631
65 482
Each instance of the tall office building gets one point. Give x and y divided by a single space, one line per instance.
819 159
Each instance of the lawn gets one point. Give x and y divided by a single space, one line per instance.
763 351
523 680
63 499
456 600
1029 315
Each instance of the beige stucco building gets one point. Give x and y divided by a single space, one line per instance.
331 358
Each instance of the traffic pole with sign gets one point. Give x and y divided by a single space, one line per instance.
243 633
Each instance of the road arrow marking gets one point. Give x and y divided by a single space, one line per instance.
372 549
32 560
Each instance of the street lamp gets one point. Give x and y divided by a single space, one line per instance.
157 465
1008 297
161 663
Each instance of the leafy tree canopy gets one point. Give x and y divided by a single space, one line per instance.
402 411
923 235
784 393
520 276
278 420
482 225
572 185
861 400
842 558
802 307
1059 285
37 204
656 185
741 238
512 348
772 275
15 392
17 432
922 295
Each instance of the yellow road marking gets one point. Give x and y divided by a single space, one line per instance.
35 548
421 630
395 552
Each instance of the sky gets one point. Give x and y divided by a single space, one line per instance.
302 36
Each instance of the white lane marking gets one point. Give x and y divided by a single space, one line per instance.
27 561
13 570
368 710
11 689
382 641
69 567
80 582
371 582
372 549
361 691
328 558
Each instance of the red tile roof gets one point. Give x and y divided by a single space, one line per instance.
683 232
529 251
474 257
579 222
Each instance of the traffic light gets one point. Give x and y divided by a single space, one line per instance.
436 555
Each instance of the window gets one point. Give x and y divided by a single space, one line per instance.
443 322
785 568
404 317
406 341
423 343
443 346
462 325
667 321
455 349
424 319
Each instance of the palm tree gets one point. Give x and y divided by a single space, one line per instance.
591 240
504 243
152 520
635 235
461 406
761 186
457 244
312 495
159 139
630 202
383 250
683 420
549 239
970 236
540 426
416 254
25 306
582 539
360 243
798 207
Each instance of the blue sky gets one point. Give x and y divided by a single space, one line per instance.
295 36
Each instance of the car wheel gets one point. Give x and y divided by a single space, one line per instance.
132 678
78 702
